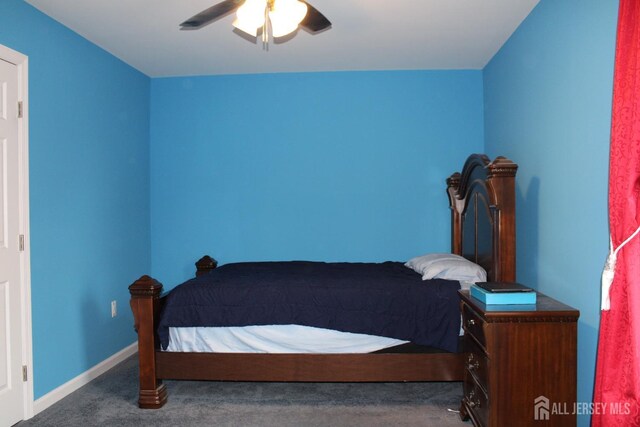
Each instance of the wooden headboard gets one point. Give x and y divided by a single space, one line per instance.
483 215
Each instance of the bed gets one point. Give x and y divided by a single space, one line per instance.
482 202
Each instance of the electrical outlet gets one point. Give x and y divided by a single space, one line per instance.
114 309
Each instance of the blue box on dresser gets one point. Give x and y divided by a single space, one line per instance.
514 298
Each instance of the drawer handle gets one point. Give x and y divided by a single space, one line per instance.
474 402
472 363
471 322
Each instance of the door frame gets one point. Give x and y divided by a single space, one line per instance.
22 63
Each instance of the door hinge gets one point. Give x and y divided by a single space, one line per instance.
21 243
19 109
25 376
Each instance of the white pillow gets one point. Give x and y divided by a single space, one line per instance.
447 266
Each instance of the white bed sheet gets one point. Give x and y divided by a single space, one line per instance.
274 339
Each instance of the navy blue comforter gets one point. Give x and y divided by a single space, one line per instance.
385 299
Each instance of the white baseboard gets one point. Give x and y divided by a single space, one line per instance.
69 387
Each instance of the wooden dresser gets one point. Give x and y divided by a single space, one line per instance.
521 363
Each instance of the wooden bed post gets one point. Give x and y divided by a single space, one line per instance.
145 304
502 179
457 207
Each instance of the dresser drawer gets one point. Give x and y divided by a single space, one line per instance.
473 325
477 364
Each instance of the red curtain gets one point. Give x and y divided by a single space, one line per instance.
617 383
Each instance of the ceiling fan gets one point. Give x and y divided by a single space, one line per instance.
281 17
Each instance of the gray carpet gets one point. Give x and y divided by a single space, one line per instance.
110 400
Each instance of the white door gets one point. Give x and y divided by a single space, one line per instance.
11 383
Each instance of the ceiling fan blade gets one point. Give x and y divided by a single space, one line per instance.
315 21
209 15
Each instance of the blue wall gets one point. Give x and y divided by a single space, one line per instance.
89 193
548 106
318 166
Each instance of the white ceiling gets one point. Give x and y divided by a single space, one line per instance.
365 35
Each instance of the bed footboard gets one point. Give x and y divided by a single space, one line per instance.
145 304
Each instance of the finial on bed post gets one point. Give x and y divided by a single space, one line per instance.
501 166
145 288
145 304
204 265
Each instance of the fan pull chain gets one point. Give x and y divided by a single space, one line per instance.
265 29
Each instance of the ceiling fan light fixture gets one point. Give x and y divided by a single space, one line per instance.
285 16
255 16
250 16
